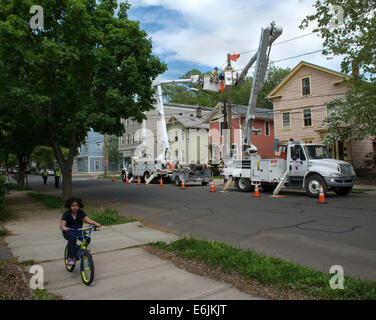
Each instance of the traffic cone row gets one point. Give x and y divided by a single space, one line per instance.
322 195
161 183
182 183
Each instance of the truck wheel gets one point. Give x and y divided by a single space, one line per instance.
313 185
243 184
343 191
204 183
178 181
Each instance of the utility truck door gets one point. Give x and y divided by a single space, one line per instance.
298 161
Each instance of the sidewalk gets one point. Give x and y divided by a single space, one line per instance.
122 271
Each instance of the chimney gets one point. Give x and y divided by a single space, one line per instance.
198 112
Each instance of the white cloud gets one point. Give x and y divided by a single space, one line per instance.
215 28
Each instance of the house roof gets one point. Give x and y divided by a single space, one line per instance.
240 110
298 67
186 106
190 122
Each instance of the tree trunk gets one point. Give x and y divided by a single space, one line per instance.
22 165
67 183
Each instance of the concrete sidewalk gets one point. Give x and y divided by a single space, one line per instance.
122 271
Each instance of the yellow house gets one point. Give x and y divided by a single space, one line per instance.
300 106
189 139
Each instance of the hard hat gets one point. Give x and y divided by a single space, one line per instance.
216 68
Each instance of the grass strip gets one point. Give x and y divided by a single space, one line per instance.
13 186
117 177
280 274
362 190
107 216
51 202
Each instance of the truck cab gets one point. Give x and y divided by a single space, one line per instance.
310 165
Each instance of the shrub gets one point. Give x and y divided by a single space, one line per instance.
2 194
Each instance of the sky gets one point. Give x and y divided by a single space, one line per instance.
188 34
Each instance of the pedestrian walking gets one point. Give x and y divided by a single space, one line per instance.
7 181
57 177
45 176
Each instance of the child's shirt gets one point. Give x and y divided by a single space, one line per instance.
74 223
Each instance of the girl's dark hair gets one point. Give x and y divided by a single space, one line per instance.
69 202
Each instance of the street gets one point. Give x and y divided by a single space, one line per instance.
295 227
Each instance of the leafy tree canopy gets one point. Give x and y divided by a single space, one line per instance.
86 69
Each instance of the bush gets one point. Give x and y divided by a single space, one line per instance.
107 216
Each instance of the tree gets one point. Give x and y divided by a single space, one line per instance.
114 156
354 37
239 95
86 69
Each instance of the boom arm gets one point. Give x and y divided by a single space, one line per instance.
268 35
165 145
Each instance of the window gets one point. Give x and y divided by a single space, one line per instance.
286 120
133 138
176 154
180 114
128 138
97 165
307 140
267 128
182 156
122 140
98 145
330 113
176 136
127 122
222 126
307 117
182 134
306 87
297 152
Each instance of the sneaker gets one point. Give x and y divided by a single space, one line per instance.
71 262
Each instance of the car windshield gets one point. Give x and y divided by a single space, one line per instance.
317 152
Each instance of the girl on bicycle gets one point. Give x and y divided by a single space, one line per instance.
74 218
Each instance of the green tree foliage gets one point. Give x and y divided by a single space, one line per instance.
86 69
114 155
240 94
353 37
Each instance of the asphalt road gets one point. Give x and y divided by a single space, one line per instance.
295 227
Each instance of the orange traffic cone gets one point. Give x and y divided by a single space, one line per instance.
257 193
212 186
126 178
322 195
138 180
161 183
182 183
113 179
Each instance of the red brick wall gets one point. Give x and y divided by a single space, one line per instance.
263 143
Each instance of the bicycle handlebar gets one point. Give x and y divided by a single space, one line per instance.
84 229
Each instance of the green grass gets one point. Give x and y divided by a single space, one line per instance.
52 202
282 275
218 177
5 214
106 216
42 294
13 186
117 177
28 262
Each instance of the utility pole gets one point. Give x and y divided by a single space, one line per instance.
105 150
229 113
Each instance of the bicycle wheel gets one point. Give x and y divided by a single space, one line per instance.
87 269
69 268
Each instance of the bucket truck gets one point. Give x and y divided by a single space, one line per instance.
301 166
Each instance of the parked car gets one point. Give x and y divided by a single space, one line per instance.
50 172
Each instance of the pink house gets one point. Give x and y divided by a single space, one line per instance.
264 121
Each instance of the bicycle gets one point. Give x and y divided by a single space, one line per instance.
87 263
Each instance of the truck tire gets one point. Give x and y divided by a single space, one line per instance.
243 184
178 181
343 191
204 183
312 185
146 176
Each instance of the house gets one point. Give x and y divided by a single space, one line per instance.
300 106
90 158
188 138
130 144
264 121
